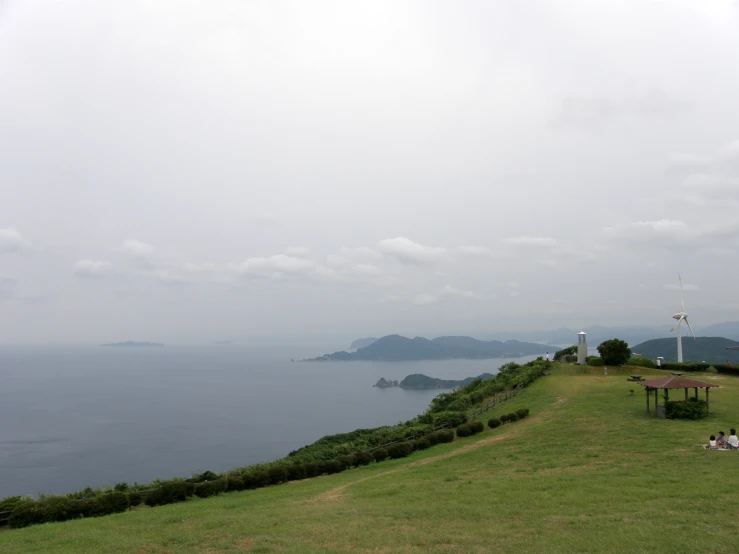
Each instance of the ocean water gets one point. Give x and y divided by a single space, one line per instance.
77 417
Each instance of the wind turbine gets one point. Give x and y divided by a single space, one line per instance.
680 317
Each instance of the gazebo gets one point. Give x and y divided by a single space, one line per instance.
673 382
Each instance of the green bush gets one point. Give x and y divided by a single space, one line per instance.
110 503
347 461
211 488
256 479
522 413
504 418
614 352
476 427
296 472
169 493
642 362
332 466
513 416
464 430
9 503
569 351
446 435
135 498
120 487
686 409
278 474
685 366
203 477
595 360
494 422
379 454
365 458
421 444
399 450
449 418
312 469
25 514
47 510
234 483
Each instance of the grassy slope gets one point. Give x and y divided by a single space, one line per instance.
589 471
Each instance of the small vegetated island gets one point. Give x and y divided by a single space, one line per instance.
133 343
395 348
421 381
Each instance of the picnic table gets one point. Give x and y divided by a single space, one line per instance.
678 374
636 378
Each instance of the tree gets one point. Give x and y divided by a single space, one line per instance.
614 352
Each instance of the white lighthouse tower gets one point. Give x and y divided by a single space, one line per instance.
582 348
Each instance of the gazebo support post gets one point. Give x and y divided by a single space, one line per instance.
707 407
696 393
686 394
648 391
656 403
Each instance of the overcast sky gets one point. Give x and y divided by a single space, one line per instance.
184 171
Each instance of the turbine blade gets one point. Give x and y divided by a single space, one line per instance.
682 302
691 329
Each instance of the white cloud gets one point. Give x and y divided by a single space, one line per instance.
686 288
425 299
512 285
12 241
137 248
279 266
367 270
93 268
474 250
514 293
537 242
408 252
298 251
457 292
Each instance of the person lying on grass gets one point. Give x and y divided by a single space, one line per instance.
721 440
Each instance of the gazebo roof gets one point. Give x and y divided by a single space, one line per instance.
675 382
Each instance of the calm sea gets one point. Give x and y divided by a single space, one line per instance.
77 417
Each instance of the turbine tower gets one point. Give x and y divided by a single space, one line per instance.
680 317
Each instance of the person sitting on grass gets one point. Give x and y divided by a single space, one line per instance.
733 441
711 443
721 440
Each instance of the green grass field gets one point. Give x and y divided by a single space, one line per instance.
588 471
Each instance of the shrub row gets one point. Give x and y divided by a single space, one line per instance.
506 418
727 369
683 366
60 508
642 362
595 360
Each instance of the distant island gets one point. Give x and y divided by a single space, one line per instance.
394 348
133 343
361 343
711 350
421 381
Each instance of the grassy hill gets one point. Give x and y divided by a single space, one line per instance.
701 349
588 471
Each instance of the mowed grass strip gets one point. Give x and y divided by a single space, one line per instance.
588 471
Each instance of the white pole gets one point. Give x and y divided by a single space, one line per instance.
679 344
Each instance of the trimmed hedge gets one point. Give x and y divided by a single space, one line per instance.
399 450
421 444
727 369
347 461
449 418
380 454
494 422
642 362
296 472
464 430
522 413
686 409
504 418
234 483
365 458
169 493
685 366
595 360
513 416
211 488
476 427
278 474
135 498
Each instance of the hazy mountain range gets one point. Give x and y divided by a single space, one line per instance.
596 334
701 349
396 348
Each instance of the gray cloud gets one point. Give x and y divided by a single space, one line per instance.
255 170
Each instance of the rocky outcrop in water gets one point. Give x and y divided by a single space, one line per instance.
385 383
